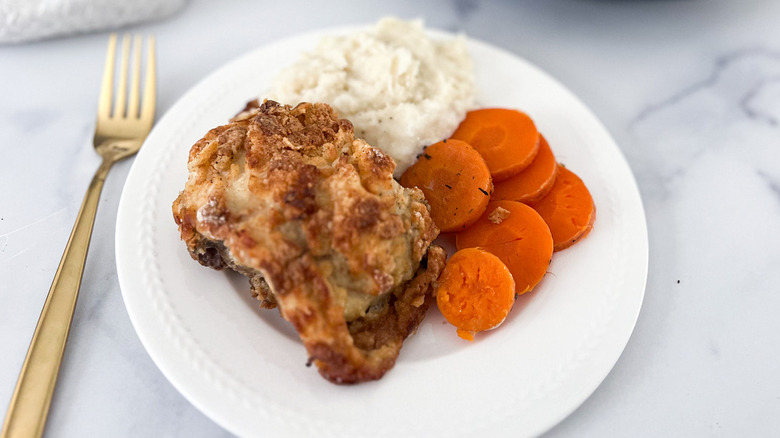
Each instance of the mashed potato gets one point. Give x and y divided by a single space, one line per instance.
400 89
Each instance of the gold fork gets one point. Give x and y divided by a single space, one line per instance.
118 134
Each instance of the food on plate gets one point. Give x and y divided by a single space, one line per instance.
400 88
539 207
533 182
568 209
475 292
455 181
521 240
312 215
498 215
506 138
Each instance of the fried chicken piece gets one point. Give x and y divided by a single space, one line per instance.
312 215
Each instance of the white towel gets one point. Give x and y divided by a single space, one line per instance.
27 20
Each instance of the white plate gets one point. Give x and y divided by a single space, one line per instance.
245 368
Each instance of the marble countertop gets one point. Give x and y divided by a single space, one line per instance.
690 90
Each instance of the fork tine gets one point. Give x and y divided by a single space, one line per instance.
121 90
132 106
104 104
150 86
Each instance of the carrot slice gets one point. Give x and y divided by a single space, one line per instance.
507 139
521 239
534 182
455 181
568 209
475 291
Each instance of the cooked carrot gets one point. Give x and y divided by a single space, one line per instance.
507 139
568 209
521 240
475 291
455 181
534 182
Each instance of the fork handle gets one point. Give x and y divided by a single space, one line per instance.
26 416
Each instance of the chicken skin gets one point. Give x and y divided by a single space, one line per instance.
313 217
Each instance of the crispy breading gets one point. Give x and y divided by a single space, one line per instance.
312 215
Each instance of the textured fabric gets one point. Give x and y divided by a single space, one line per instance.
27 20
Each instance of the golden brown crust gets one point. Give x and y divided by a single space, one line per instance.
288 197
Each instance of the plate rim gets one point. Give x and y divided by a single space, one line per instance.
122 218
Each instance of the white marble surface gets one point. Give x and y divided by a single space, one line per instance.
690 89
